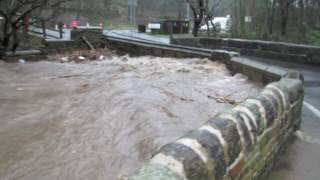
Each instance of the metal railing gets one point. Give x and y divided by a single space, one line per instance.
43 28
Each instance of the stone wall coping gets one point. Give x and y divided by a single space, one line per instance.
276 71
253 41
281 51
207 52
24 52
59 40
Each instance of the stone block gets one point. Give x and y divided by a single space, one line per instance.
294 75
293 88
253 113
243 129
270 46
155 172
237 168
157 52
235 43
230 134
213 43
270 112
193 166
212 145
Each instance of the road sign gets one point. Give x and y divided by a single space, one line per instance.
248 19
154 26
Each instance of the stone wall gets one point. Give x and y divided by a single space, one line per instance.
239 143
56 46
265 49
93 35
139 48
254 70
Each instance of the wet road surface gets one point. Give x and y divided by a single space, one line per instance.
100 119
302 159
133 35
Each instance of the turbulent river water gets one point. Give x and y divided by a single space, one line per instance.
98 120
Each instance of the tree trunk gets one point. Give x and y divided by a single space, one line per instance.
284 11
15 43
196 27
301 18
270 20
242 11
6 34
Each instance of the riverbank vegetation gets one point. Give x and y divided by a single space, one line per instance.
295 21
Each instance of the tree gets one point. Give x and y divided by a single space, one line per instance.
239 13
200 10
18 13
284 15
271 7
211 13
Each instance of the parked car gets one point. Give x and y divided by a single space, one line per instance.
220 24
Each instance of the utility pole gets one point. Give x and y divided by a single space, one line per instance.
132 4
188 11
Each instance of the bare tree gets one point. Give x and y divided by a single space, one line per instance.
17 14
210 14
238 15
271 7
284 13
199 9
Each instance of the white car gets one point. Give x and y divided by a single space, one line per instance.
221 24
216 25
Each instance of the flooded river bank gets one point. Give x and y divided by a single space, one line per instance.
97 120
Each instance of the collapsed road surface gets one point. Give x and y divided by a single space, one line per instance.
101 119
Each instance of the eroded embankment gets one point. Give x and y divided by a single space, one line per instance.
100 119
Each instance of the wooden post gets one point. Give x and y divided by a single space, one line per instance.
43 24
60 26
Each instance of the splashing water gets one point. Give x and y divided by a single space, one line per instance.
97 120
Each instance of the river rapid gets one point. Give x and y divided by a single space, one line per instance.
98 120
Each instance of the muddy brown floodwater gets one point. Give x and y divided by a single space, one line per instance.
97 120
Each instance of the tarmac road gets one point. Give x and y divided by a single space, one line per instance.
302 159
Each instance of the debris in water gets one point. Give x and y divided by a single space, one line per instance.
225 99
64 59
183 70
22 61
122 177
82 55
81 58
